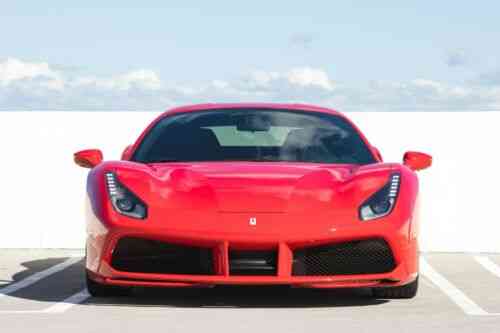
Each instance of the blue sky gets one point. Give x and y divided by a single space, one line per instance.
361 55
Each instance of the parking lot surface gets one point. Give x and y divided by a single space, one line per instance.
44 291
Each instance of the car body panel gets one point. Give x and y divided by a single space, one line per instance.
281 206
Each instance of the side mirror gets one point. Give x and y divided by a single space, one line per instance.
127 152
417 161
88 158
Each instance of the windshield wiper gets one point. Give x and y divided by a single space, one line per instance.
260 159
264 159
165 160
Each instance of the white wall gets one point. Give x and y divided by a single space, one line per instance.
41 190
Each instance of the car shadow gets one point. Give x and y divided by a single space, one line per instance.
35 266
61 285
244 297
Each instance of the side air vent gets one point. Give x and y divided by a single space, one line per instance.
372 256
150 256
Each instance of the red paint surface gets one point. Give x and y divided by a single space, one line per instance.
209 204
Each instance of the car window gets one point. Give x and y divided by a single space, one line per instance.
253 135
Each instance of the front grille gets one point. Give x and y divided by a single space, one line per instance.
150 256
358 257
252 262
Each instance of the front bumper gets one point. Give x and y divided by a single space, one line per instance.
103 239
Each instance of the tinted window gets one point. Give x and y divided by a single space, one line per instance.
253 135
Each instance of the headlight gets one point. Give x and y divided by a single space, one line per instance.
123 200
381 203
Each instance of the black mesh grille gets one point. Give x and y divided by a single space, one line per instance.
252 262
359 257
149 256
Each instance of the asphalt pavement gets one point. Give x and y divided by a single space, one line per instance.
44 291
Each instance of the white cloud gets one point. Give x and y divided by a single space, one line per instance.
456 58
33 85
220 84
424 94
143 78
310 77
297 81
12 70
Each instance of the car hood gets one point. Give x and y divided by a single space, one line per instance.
253 187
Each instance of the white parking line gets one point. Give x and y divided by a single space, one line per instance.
456 295
68 302
37 276
488 265
59 307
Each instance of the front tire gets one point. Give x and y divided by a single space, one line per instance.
407 291
97 289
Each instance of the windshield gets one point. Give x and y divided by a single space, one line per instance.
253 135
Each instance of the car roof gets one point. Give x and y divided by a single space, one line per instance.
228 106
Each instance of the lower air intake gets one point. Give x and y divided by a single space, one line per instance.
372 256
149 256
252 262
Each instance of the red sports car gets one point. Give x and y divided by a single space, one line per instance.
252 194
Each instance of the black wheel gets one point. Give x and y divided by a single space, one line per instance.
97 289
406 291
